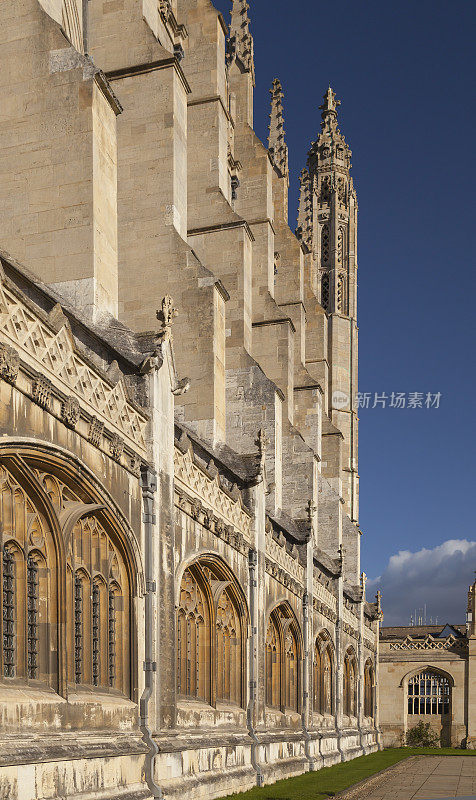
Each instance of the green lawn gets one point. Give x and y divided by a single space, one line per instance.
331 780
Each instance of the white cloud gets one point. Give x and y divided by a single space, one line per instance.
438 577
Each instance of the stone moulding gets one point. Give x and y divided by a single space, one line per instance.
282 576
285 560
200 487
197 511
52 354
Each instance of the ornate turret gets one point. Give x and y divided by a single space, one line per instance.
240 44
277 147
334 263
329 168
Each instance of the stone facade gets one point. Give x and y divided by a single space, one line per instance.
183 611
427 673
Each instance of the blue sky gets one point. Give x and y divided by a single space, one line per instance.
405 75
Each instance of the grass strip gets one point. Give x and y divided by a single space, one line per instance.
329 781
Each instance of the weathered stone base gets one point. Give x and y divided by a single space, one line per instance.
193 767
104 777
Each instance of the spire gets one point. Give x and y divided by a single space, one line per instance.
329 111
304 220
240 43
276 139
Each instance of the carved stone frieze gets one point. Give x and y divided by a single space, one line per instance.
53 354
323 609
280 574
70 412
208 495
289 562
134 464
42 391
211 522
350 630
96 428
116 447
429 643
9 363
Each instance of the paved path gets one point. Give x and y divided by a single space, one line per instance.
421 778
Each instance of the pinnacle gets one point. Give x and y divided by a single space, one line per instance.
276 139
330 103
240 43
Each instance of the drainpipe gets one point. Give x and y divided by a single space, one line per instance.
339 664
253 563
149 487
305 681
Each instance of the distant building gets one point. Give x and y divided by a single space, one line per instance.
428 673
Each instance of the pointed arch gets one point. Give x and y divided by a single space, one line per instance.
283 657
212 621
369 689
81 569
324 673
350 683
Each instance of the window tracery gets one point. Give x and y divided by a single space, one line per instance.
9 601
325 291
97 588
341 294
325 245
429 693
323 675
291 671
273 665
282 661
210 635
350 685
369 682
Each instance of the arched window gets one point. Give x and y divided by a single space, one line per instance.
99 623
317 677
228 650
29 591
323 674
210 634
193 633
327 706
47 532
325 291
369 684
429 693
273 664
282 660
350 684
9 582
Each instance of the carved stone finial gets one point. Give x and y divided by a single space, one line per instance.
166 317
363 581
378 603
277 147
329 109
240 44
304 220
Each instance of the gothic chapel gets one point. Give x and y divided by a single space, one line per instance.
183 612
